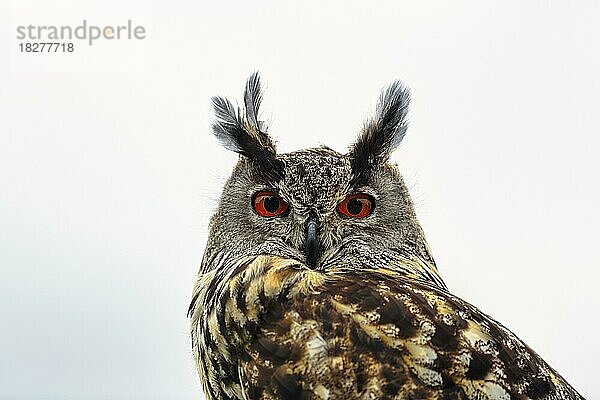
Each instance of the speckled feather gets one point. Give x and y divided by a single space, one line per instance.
371 318
275 329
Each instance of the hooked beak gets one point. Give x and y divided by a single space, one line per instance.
312 247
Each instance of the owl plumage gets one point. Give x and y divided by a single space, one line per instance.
317 281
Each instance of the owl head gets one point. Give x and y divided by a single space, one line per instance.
326 209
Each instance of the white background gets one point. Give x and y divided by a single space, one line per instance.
109 173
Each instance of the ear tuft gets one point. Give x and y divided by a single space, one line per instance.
382 133
243 133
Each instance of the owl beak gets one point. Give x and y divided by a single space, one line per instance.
311 248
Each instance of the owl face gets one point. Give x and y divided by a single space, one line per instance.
316 192
318 206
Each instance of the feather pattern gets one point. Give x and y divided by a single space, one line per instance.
275 329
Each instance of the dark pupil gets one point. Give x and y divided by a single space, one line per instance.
354 206
271 204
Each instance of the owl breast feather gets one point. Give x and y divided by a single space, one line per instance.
275 329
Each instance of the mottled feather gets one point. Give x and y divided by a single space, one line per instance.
289 332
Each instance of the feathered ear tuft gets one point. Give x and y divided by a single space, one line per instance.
382 133
244 134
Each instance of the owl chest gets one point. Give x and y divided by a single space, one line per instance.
255 340
230 329
294 338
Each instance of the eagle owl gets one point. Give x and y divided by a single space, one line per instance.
317 281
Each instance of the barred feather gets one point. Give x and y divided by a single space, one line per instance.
276 329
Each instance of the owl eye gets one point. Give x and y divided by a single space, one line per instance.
356 206
269 204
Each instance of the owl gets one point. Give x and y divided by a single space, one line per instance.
317 281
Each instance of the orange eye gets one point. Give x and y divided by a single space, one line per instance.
269 204
356 206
